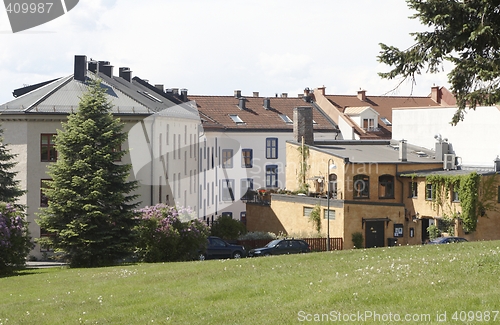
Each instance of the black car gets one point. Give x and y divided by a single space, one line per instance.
281 247
218 249
447 240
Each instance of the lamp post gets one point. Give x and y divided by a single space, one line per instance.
330 166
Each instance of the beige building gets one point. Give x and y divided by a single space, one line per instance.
380 189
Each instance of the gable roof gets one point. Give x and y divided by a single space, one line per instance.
353 111
215 112
63 95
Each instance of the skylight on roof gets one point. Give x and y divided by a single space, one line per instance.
148 95
285 118
386 121
236 119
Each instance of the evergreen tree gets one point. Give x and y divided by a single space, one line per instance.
9 187
90 208
466 33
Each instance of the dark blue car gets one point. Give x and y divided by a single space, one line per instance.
281 247
220 249
447 240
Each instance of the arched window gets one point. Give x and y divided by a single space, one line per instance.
386 187
332 186
361 186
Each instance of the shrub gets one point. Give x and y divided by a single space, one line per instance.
258 235
163 237
357 239
433 232
15 243
227 228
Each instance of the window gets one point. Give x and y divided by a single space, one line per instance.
243 217
454 196
307 211
236 119
246 158
329 214
272 148
272 176
368 124
44 200
227 190
246 185
361 187
413 189
428 191
175 149
227 158
227 214
47 150
386 187
285 118
386 121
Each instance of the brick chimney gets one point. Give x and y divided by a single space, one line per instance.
303 125
322 90
362 95
255 94
436 94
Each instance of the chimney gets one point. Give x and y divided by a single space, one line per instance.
184 94
284 95
92 66
497 164
125 73
322 90
255 94
241 104
80 67
362 95
267 103
441 149
175 91
436 94
237 93
402 150
303 125
307 95
159 87
107 69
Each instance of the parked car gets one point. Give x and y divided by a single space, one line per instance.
281 247
447 240
219 249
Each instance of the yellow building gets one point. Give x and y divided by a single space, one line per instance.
385 190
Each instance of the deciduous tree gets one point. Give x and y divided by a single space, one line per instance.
463 32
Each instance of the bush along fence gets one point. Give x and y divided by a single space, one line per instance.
316 244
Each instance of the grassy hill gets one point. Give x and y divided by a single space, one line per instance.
418 284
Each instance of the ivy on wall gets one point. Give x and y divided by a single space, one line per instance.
469 187
304 155
315 218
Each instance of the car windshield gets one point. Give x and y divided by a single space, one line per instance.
273 243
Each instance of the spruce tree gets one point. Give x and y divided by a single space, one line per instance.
90 206
9 186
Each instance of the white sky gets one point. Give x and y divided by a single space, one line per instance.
212 47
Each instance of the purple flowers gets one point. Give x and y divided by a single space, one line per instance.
15 242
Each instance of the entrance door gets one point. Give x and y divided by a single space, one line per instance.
425 225
374 234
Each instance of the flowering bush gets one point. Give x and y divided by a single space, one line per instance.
163 236
15 242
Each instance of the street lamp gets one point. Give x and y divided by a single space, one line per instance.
330 166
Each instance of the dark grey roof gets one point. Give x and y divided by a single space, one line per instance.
63 95
373 151
451 172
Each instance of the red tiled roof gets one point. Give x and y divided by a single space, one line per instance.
216 111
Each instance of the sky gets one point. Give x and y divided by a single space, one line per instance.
213 47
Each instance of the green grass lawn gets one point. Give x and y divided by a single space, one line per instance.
420 282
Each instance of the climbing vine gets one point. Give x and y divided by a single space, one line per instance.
468 189
304 155
315 218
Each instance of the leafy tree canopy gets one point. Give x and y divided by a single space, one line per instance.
464 32
90 208
9 186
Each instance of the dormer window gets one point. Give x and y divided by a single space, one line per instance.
285 118
369 124
236 119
